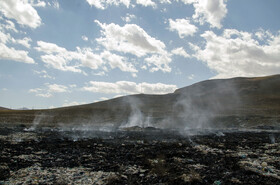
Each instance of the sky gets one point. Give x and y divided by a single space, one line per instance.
57 53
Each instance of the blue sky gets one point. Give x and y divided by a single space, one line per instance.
67 52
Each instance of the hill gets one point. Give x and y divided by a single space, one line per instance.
213 103
3 108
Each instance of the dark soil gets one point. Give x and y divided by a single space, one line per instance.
162 156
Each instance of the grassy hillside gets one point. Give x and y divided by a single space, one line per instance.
229 102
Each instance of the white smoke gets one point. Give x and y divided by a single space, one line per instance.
201 105
37 120
137 116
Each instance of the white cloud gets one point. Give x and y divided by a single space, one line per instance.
73 85
4 38
85 38
55 88
10 53
55 4
132 39
36 90
49 48
50 89
163 10
103 98
165 1
38 3
127 87
211 11
40 92
43 74
157 88
44 95
21 11
263 35
128 18
89 59
181 52
97 3
129 39
60 58
112 88
191 77
101 73
116 61
237 53
59 62
24 42
146 3
7 38
188 1
118 95
10 26
159 62
183 27
67 103
7 53
102 4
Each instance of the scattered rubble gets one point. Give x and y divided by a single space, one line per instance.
132 157
37 175
20 137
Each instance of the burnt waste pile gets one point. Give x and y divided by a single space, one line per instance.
212 132
138 155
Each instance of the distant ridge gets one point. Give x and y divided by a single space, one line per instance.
3 108
23 108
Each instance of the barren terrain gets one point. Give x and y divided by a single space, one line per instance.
212 132
139 157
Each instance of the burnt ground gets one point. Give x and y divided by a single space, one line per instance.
138 157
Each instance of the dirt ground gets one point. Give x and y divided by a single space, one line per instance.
50 156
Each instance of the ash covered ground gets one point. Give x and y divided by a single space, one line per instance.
139 156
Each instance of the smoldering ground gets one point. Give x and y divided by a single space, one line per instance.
135 157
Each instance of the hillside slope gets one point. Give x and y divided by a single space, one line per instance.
213 103
3 108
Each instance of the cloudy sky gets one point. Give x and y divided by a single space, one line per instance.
65 52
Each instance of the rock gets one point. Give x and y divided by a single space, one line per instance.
217 182
264 164
235 180
140 142
198 166
132 169
124 176
192 176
